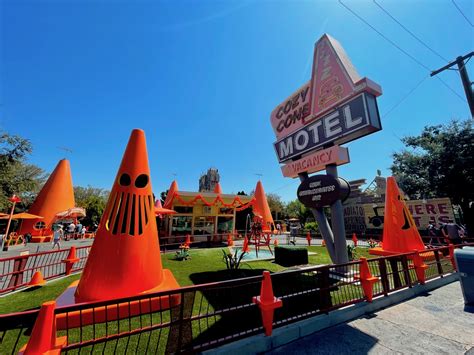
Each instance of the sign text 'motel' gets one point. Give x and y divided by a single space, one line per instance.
322 190
354 119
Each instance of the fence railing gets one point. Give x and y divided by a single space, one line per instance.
200 317
17 271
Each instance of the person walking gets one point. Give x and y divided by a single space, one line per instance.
57 236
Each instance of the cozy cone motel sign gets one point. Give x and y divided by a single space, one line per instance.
336 106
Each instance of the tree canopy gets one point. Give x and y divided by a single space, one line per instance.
93 200
16 176
438 163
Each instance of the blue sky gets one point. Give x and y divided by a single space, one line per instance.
202 77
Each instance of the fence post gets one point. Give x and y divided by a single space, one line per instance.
366 279
438 263
325 293
18 268
384 276
420 267
70 260
406 270
43 337
267 303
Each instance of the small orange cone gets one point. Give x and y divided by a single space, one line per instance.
308 238
267 303
275 242
37 279
420 267
230 240
70 260
43 337
245 248
188 240
354 239
323 243
366 279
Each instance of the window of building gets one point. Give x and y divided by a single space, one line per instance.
183 209
225 224
226 210
204 225
39 225
181 225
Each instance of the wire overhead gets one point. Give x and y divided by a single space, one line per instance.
400 49
462 13
410 32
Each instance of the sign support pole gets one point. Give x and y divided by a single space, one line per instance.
323 225
337 221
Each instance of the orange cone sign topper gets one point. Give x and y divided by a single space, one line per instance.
399 232
56 195
218 189
261 207
125 257
169 197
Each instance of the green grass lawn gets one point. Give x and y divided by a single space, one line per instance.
201 262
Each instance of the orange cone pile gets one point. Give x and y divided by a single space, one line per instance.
37 279
245 247
261 208
267 303
354 239
57 195
43 336
125 257
399 231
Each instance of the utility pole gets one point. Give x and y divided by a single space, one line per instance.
464 77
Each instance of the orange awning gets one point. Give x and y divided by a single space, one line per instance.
22 215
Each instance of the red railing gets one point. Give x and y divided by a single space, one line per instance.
17 271
195 318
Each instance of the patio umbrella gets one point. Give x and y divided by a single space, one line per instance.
74 212
22 215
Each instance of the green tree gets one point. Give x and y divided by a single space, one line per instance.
295 209
93 200
276 205
439 163
16 176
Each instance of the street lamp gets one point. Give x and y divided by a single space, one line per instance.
14 199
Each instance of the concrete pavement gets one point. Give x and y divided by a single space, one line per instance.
434 323
39 247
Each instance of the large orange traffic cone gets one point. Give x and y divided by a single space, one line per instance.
125 257
400 234
70 260
43 336
267 303
57 195
37 279
261 208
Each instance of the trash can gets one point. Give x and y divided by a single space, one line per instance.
465 263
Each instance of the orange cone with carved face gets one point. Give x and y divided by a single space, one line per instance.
125 257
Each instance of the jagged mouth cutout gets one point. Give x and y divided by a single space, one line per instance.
130 212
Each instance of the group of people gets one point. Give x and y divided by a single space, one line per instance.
447 232
67 231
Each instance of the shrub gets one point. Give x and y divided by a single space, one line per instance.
182 253
286 256
232 261
311 226
351 252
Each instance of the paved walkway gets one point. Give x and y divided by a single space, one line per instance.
39 247
432 324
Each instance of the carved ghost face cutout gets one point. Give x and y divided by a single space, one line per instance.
130 205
